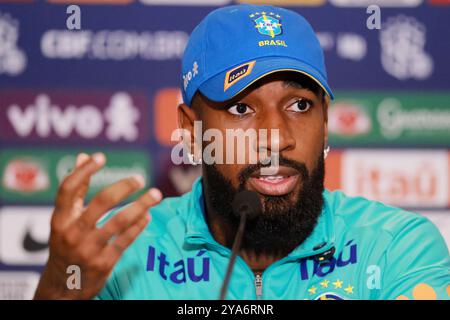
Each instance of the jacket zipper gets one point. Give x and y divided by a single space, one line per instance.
258 286
258 278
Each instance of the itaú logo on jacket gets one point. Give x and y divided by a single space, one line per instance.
347 256
195 268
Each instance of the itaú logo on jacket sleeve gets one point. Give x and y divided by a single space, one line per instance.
196 268
346 257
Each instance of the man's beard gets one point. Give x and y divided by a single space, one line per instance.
286 221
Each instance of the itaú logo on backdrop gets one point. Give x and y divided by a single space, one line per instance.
416 179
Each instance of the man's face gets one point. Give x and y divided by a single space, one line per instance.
292 196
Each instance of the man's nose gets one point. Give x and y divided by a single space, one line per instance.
279 133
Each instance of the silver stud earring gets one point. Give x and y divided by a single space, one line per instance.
326 151
192 160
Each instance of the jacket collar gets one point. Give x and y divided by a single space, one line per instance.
197 232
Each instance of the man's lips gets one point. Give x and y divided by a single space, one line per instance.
278 184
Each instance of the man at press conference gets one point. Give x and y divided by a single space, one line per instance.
245 67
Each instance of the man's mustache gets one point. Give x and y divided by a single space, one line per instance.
246 173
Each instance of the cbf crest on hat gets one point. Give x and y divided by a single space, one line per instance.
234 46
266 24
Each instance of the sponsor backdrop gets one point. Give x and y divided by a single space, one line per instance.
112 85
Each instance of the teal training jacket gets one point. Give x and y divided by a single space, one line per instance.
380 252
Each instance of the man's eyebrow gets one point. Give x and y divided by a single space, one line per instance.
295 84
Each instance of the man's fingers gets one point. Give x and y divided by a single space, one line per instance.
93 241
81 159
134 212
70 187
114 250
110 197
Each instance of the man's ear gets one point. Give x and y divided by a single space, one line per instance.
186 117
326 103
186 120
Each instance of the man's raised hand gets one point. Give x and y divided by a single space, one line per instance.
75 238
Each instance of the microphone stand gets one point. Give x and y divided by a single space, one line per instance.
234 252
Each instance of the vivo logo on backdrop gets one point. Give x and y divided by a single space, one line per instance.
102 116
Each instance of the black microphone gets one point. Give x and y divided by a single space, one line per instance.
246 205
